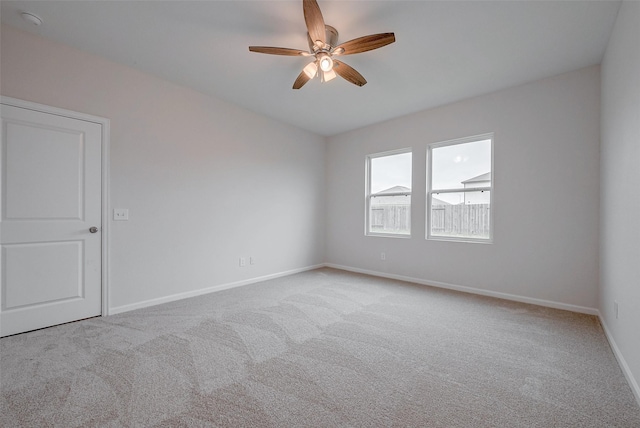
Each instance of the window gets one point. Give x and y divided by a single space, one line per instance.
389 194
459 188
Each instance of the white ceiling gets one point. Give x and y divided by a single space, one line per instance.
445 51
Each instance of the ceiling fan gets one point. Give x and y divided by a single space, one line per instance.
323 46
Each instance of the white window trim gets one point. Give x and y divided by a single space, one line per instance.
430 192
367 204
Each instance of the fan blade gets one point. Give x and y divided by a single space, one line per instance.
348 73
278 51
303 78
313 19
363 44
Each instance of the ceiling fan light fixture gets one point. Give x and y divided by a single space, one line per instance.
326 63
328 75
311 69
323 44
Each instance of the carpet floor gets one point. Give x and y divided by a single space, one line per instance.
324 348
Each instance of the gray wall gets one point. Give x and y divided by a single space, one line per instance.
620 194
545 194
205 181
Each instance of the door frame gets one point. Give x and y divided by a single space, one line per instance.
105 199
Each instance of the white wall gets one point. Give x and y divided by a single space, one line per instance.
205 182
620 194
545 193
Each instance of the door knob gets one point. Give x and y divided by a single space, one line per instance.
93 229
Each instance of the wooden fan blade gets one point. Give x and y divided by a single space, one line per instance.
348 73
366 43
278 51
301 80
313 19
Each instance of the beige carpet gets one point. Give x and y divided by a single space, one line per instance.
324 348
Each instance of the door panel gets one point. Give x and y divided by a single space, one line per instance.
30 268
51 196
35 155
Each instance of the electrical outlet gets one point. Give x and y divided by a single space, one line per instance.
243 262
252 260
383 256
121 214
615 308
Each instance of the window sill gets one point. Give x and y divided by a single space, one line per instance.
388 235
466 240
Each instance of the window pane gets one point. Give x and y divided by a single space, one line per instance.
390 194
461 166
468 218
390 214
388 172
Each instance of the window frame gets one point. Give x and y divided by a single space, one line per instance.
368 194
430 192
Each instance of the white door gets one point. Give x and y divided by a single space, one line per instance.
50 226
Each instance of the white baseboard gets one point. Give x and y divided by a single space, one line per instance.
633 384
472 290
200 292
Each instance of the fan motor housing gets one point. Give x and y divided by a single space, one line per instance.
331 37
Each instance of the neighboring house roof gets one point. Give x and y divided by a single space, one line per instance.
392 200
437 202
482 177
394 189
380 198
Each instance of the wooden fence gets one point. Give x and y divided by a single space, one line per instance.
470 221
391 218
462 221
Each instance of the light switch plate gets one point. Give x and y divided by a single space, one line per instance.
120 214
